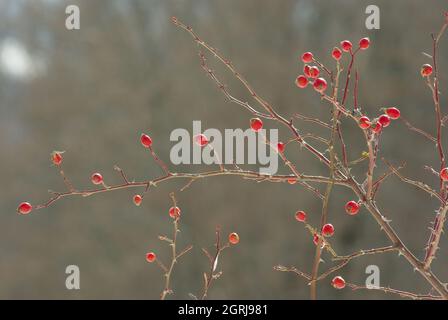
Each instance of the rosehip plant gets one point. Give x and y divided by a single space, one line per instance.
332 85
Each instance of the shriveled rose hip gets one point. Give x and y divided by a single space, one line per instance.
426 70
137 199
338 282
301 81
300 216
256 124
336 53
364 122
352 207
346 45
234 238
174 212
307 57
384 120
364 43
96 178
56 158
393 113
146 140
201 140
444 174
328 230
151 257
320 85
24 208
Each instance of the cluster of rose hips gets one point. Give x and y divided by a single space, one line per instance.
383 121
312 72
327 231
234 238
256 124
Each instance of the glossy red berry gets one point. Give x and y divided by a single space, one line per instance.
301 81
56 158
201 140
234 238
364 43
300 216
256 124
376 127
336 53
24 208
174 212
96 178
393 113
338 282
426 70
384 120
314 72
137 199
292 180
151 257
146 140
307 57
364 122
444 174
328 230
280 147
320 85
306 70
346 45
352 207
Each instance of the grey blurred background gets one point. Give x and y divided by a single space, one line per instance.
92 92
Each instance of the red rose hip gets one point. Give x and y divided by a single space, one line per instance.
426 70
338 282
346 45
444 174
393 113
328 230
336 53
320 85
56 158
306 70
364 122
300 216
301 82
137 199
307 57
256 124
352 207
24 208
280 147
96 178
364 43
377 127
384 120
151 257
174 212
201 140
146 140
234 238
314 72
